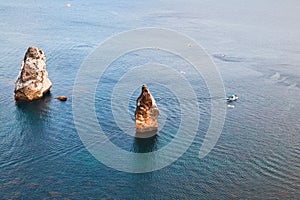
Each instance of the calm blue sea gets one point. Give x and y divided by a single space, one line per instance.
256 47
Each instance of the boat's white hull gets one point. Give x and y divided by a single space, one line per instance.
234 98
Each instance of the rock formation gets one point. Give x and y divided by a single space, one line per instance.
33 81
146 112
62 98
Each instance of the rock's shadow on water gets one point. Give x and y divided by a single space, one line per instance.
35 107
145 145
33 115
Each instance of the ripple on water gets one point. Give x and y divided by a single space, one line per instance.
274 168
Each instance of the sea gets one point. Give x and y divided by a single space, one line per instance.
255 47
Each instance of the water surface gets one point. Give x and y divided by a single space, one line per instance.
256 47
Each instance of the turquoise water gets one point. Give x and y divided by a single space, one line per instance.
257 154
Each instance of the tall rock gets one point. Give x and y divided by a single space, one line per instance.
146 112
33 81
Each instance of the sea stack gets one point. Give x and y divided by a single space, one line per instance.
33 81
146 112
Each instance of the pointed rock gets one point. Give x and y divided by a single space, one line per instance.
33 81
146 112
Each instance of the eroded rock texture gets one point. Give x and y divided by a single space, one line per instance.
33 81
146 112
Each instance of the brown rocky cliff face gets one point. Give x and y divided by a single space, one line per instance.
33 81
146 112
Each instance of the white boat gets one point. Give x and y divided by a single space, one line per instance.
232 97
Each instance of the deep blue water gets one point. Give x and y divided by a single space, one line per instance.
258 153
